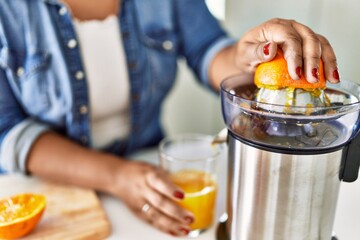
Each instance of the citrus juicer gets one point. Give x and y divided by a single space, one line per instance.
288 153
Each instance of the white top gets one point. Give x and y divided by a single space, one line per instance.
108 82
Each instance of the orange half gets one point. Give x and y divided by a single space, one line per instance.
274 75
19 214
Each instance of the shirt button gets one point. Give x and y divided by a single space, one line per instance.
84 139
72 43
167 45
79 75
62 11
135 97
20 71
125 35
83 109
132 65
136 128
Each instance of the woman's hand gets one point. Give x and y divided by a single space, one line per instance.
302 49
149 193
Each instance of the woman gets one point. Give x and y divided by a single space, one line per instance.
82 84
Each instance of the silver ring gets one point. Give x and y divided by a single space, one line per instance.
145 208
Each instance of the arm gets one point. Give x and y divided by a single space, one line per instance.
27 145
201 40
55 157
222 66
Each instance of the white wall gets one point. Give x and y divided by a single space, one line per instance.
191 107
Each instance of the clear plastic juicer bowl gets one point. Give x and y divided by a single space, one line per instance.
291 127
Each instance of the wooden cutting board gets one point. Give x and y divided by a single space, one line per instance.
71 212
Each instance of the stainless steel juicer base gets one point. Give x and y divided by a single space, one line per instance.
222 235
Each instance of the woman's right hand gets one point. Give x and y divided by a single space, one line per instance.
302 47
149 193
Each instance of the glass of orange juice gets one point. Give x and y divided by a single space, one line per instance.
191 160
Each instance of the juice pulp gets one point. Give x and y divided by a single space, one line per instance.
200 195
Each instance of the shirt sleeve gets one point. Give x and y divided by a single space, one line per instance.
17 131
202 36
209 55
17 143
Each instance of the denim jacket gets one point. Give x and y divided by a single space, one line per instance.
43 85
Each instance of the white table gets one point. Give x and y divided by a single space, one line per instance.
128 227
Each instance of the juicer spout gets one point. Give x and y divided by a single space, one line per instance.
221 137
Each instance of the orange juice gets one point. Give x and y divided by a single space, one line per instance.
200 195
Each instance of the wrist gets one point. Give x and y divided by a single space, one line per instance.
223 65
114 179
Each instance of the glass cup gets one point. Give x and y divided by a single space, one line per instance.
191 160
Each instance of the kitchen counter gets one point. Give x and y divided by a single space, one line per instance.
126 226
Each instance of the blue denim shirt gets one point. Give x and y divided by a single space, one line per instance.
43 85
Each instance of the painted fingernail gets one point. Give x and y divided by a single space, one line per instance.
184 231
179 195
172 233
315 73
189 219
266 49
299 71
336 74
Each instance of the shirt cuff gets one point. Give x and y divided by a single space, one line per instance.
17 144
209 56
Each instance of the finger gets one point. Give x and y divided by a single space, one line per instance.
164 223
294 60
264 51
329 60
311 51
285 35
160 181
168 206
251 54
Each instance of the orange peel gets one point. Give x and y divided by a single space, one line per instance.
19 214
274 75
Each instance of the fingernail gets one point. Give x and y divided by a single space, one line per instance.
315 73
336 75
179 195
172 233
189 219
266 49
184 231
299 71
